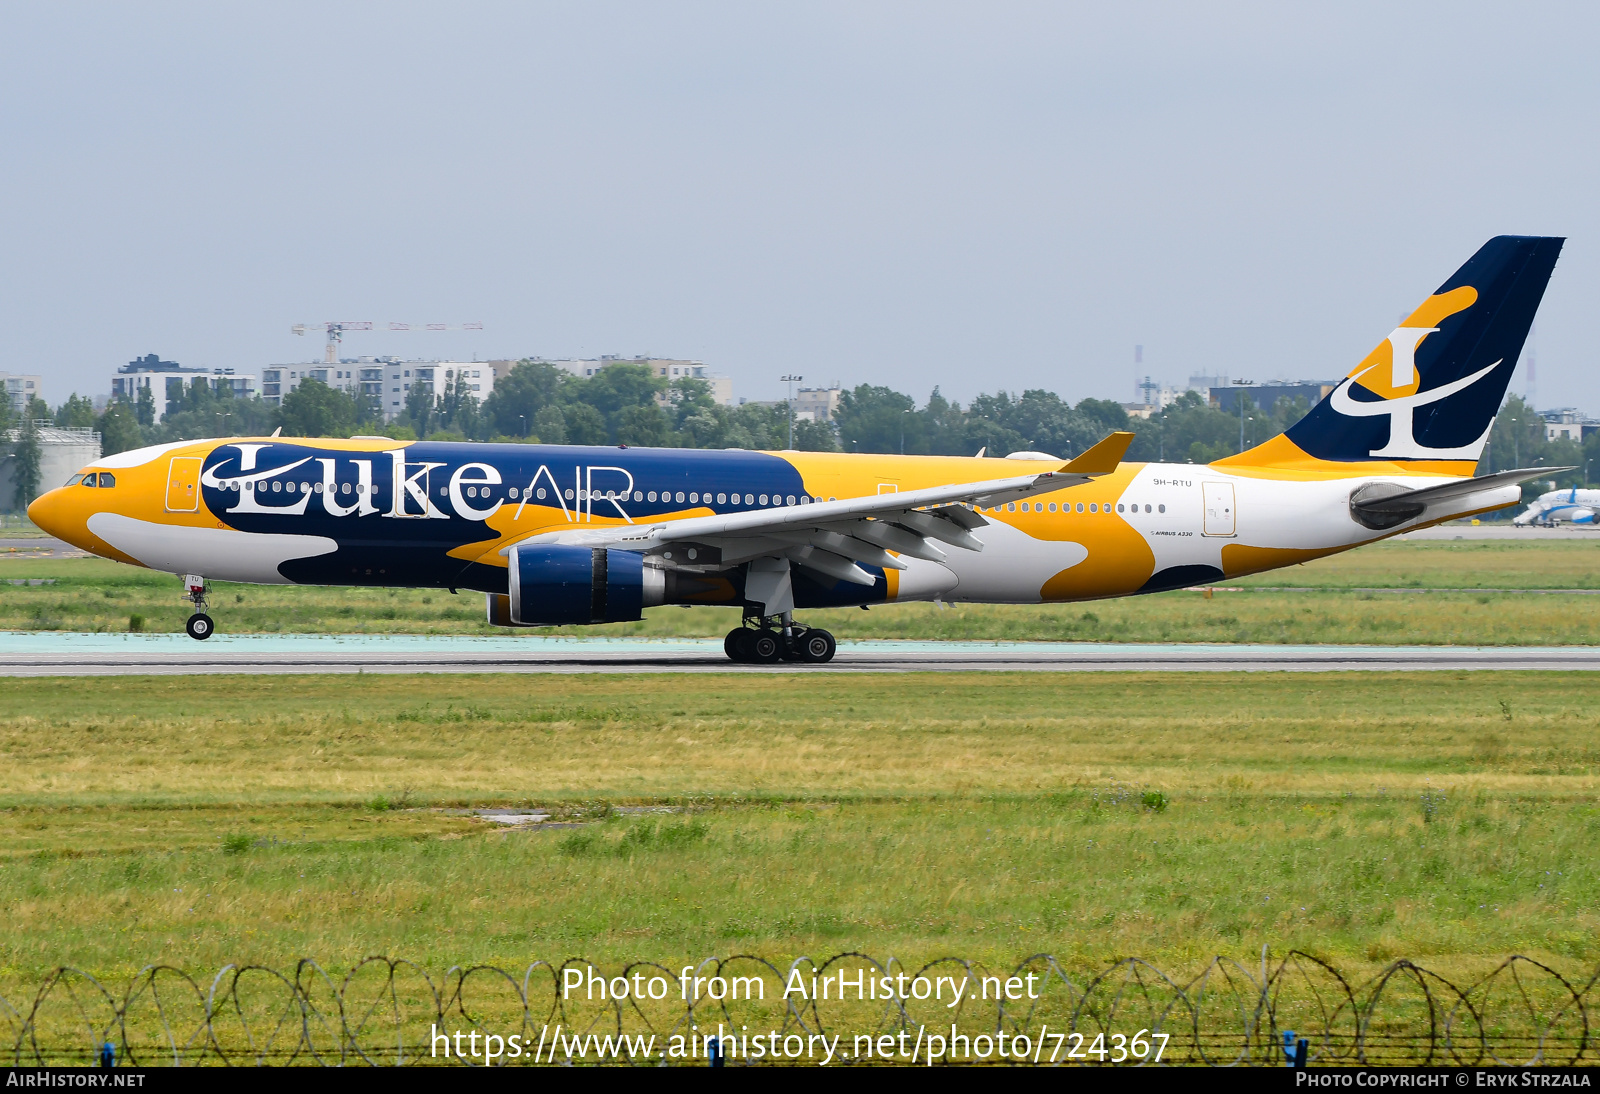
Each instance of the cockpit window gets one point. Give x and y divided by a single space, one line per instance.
73 480
88 480
106 480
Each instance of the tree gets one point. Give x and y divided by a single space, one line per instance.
517 398
584 424
316 410
119 427
814 436
419 408
458 408
36 410
644 424
145 409
550 425
76 413
873 418
25 464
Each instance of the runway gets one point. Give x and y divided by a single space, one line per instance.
58 654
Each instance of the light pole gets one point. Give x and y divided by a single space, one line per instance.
1242 383
791 379
524 419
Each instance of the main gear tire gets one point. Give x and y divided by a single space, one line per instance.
817 647
200 626
765 647
737 645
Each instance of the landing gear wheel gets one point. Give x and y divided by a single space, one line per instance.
765 646
739 643
200 626
817 646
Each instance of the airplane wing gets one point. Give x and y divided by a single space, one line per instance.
1381 505
834 537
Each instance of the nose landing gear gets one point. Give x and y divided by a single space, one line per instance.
777 638
200 626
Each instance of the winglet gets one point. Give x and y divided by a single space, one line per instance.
1103 458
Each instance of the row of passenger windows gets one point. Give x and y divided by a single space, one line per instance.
106 479
693 497
1093 507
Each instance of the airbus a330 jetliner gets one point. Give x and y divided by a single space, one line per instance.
557 534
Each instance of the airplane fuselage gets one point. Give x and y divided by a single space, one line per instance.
433 514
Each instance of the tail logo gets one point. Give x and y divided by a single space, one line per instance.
1403 403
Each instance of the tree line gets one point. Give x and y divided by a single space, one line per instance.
628 404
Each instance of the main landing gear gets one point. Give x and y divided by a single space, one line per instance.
762 641
200 625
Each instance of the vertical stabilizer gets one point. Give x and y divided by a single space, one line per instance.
1426 397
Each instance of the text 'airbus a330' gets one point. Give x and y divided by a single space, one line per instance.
558 535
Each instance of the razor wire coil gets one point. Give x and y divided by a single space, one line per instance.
384 1011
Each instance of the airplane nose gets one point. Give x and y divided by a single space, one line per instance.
48 512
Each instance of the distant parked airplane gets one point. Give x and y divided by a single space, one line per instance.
563 534
1570 506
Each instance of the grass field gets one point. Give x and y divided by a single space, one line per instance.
1445 817
91 594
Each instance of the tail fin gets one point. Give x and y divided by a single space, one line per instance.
1426 398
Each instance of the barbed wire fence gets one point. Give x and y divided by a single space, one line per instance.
388 1011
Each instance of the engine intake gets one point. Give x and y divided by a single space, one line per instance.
554 585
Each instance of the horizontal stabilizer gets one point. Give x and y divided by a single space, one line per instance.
1380 505
1103 457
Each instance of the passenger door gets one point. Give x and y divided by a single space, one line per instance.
1219 508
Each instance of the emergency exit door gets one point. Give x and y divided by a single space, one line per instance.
183 485
1219 508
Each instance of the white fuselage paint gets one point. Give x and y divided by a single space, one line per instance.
1276 513
219 553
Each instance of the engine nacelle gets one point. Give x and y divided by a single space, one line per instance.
554 585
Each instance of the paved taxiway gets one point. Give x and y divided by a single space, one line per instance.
35 654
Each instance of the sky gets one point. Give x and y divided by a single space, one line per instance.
977 196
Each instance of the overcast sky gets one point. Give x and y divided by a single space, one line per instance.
977 196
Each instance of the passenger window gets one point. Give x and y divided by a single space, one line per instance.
1093 507
1080 507
106 480
1011 507
1163 508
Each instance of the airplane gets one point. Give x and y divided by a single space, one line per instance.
1570 506
565 534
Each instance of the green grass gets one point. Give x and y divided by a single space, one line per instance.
1445 817
95 595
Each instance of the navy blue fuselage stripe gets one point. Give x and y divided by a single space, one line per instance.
436 515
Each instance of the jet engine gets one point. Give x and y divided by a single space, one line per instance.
555 585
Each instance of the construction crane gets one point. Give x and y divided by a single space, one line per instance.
335 331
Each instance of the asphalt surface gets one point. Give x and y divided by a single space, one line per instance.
55 654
